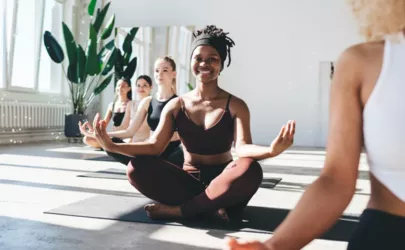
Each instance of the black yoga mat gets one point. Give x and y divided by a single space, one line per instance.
130 209
120 174
110 173
102 158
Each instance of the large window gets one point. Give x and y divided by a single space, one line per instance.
174 41
25 45
6 24
140 49
25 65
180 38
49 72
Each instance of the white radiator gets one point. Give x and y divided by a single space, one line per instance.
18 116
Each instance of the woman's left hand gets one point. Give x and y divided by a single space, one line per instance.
100 133
284 139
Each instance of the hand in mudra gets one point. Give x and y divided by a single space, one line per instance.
100 133
86 129
284 139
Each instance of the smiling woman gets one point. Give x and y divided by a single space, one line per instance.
208 120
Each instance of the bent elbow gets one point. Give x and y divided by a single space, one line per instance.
239 151
344 186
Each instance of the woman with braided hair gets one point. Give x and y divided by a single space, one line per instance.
208 120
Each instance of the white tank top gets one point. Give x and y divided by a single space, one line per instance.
384 121
143 132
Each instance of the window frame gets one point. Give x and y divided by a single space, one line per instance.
175 33
143 45
25 92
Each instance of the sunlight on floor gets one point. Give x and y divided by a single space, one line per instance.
188 236
79 150
38 178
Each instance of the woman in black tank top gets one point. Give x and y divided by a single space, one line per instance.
155 110
116 110
150 109
165 77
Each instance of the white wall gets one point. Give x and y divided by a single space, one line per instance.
279 48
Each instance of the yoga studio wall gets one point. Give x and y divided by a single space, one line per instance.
276 60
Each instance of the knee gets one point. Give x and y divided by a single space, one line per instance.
253 171
258 171
136 167
90 142
132 168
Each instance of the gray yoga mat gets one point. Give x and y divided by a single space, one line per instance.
110 173
130 209
102 158
120 174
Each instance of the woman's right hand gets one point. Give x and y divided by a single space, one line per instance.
86 129
233 244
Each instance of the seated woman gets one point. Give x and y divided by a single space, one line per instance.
208 120
149 112
116 111
143 90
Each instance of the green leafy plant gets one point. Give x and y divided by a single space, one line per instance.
124 65
90 68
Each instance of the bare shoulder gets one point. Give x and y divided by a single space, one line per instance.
144 103
352 64
368 48
238 106
174 104
352 55
130 104
360 54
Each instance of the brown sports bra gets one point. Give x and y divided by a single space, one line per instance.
198 140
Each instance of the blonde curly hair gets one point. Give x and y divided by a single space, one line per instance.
378 18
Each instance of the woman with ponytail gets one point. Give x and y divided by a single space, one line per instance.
150 109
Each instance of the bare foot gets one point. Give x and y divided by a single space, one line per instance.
221 214
161 211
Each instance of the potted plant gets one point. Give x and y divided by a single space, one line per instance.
90 68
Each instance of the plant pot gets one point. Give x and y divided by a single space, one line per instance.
72 124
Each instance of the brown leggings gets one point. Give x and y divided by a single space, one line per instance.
230 185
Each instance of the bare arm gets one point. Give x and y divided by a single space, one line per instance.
325 200
127 117
136 123
160 138
108 114
243 138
